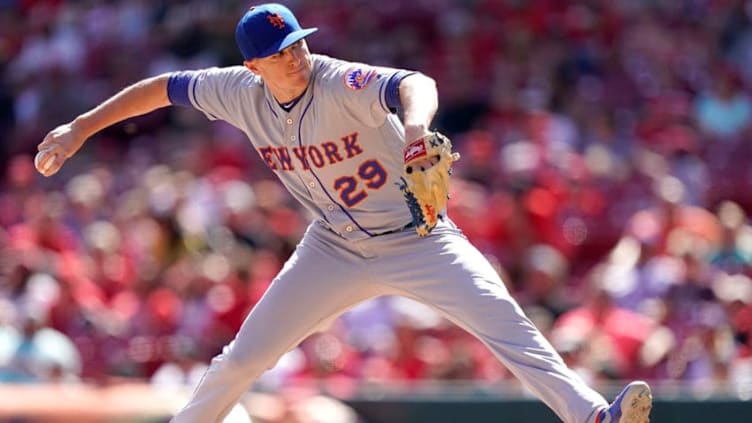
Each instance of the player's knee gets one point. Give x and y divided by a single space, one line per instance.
251 359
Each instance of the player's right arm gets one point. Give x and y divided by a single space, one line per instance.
138 99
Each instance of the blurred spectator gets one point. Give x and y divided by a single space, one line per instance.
733 254
608 337
544 280
724 111
37 353
181 366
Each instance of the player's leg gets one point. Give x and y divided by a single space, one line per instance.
445 271
318 282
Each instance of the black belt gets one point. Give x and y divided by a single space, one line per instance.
408 226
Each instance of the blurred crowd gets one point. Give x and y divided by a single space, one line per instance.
604 172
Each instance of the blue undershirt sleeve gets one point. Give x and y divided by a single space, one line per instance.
177 88
391 94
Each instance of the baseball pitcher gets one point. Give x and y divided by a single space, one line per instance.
377 185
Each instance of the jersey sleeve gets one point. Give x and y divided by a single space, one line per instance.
214 91
369 93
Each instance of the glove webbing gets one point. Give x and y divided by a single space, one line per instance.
414 207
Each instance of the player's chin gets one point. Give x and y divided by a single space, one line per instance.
301 72
300 78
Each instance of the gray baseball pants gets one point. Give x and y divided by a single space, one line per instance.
327 275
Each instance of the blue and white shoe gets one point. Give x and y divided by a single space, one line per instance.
632 405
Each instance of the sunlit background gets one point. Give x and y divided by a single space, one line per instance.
606 173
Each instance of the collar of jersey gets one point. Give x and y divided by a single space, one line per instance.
290 104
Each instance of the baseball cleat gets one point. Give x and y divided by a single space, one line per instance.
632 405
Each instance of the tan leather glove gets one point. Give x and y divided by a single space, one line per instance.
425 181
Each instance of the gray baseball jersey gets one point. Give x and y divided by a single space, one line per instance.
338 150
317 149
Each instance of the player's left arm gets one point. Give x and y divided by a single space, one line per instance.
419 100
428 155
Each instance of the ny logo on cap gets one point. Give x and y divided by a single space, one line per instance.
276 20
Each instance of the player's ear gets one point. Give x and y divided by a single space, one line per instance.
251 66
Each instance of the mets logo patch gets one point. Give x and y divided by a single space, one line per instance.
276 21
357 79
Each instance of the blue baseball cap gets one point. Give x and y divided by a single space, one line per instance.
267 29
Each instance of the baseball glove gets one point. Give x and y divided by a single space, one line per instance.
425 181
